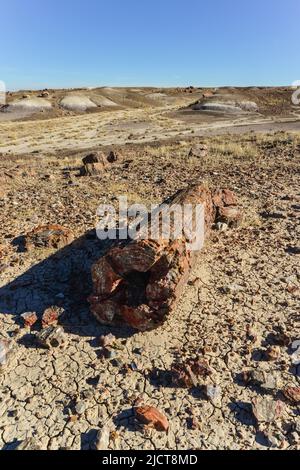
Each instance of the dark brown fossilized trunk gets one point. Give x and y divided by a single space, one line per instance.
139 281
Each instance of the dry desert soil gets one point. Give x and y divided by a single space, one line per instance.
239 311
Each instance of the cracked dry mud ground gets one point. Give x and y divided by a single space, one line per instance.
244 287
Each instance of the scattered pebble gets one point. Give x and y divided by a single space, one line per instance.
29 318
51 337
107 340
80 407
213 392
102 439
296 355
232 289
221 227
292 394
273 353
6 351
266 409
152 417
191 373
50 316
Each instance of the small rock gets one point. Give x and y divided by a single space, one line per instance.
270 382
117 363
292 394
73 418
213 392
251 333
265 380
43 94
29 318
152 417
266 410
109 353
102 439
104 393
138 351
231 215
296 355
87 394
198 151
93 169
221 227
295 438
273 353
193 423
232 288
6 352
159 180
190 373
107 340
80 407
51 316
275 440
51 337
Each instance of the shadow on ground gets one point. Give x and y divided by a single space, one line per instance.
62 279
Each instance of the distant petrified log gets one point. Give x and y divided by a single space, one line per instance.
139 281
93 164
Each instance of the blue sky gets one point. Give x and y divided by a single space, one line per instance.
67 43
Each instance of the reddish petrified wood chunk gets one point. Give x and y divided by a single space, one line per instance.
152 417
292 394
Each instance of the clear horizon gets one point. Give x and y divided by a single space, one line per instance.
78 44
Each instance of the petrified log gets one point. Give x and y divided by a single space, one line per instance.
93 164
138 281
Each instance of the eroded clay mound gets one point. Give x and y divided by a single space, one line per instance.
225 104
104 102
30 104
249 106
157 95
77 103
217 107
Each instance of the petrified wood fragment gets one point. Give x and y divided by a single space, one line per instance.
48 236
138 281
152 418
51 337
191 373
